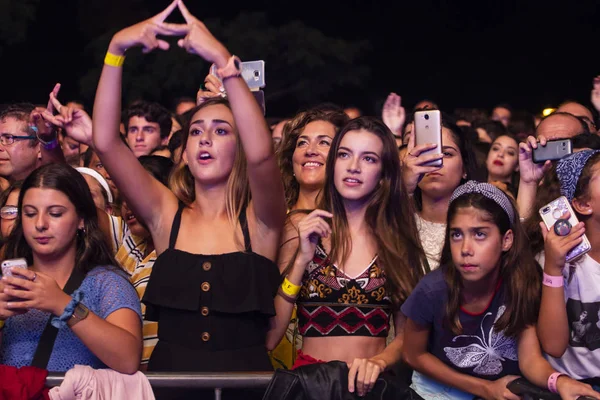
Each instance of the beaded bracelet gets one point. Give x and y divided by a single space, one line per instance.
61 322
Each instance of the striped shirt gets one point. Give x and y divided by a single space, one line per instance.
139 279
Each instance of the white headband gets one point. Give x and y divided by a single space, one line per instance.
99 178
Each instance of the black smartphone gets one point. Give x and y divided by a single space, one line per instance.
553 150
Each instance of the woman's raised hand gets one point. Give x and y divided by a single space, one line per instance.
144 33
76 123
199 40
212 88
415 163
394 114
310 229
530 172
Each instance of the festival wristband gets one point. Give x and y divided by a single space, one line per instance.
289 289
553 281
1 325
552 382
114 60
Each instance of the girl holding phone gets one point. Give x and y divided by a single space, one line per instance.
471 323
57 233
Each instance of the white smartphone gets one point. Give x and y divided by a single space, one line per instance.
428 129
253 73
13 263
554 211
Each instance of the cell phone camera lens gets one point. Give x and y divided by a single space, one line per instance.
426 116
256 74
546 210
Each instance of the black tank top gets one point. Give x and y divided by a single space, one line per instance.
211 303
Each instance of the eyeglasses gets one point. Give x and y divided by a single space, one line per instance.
6 139
9 212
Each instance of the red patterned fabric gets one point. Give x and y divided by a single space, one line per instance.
25 383
333 304
304 359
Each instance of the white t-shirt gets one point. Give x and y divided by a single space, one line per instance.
581 360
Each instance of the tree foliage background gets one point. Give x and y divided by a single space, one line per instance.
303 66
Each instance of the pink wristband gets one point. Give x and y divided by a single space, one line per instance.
552 381
553 281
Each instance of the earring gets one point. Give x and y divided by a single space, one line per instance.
81 232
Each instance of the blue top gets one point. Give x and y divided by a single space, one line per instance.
104 292
480 350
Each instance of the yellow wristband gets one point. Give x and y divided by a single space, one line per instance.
289 288
114 60
1 324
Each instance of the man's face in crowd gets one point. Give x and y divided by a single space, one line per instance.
579 111
18 159
502 115
559 126
143 136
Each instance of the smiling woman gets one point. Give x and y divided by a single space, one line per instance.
303 155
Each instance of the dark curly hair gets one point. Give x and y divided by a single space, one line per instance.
291 131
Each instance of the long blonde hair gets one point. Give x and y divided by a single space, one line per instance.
182 182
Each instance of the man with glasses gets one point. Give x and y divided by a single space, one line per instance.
21 150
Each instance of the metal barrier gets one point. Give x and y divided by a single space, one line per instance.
195 380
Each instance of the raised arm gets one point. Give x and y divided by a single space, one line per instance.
266 185
144 194
553 324
299 241
530 175
47 132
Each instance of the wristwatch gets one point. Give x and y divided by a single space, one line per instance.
79 314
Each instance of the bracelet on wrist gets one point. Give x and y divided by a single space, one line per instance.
2 322
114 60
61 321
232 69
553 281
552 381
46 144
290 289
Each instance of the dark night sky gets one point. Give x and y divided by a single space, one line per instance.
460 54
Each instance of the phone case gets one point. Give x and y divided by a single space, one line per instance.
253 73
553 150
12 263
428 129
554 211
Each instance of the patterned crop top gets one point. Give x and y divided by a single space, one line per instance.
331 303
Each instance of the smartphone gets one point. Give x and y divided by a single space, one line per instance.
553 150
554 211
428 129
253 73
13 263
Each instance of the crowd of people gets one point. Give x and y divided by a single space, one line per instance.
205 239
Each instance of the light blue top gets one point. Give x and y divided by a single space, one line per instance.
105 291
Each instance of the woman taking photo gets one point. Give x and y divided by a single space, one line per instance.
57 233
